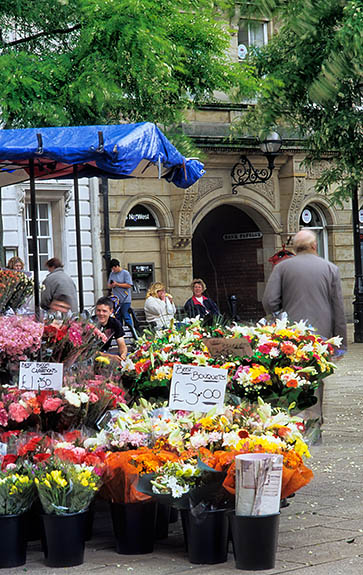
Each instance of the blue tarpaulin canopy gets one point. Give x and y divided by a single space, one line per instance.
121 151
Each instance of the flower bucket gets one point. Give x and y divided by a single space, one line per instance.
173 515
254 539
64 537
206 536
12 541
162 521
134 527
33 521
89 521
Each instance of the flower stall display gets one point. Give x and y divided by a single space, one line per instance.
147 436
287 363
15 289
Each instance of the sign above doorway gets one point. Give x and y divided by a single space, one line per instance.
242 236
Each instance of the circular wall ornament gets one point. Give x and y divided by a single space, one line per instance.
306 216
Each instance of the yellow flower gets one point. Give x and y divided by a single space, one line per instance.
84 482
58 479
103 360
301 448
47 484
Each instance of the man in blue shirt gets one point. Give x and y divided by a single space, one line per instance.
120 283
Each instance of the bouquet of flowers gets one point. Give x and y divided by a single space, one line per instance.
15 289
148 370
69 340
147 436
102 391
287 363
20 339
65 488
57 410
17 492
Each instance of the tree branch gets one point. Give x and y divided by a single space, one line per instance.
44 33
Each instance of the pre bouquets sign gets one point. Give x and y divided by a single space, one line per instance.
197 388
36 375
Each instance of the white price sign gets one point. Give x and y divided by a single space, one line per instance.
197 388
36 375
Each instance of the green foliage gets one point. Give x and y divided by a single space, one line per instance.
311 79
102 61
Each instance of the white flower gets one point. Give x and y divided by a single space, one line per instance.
83 397
336 341
231 439
274 352
72 397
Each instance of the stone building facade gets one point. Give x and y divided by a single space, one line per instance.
227 239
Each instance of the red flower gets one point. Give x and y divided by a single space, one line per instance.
9 458
39 457
243 433
31 445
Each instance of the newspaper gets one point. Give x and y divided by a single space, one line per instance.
258 483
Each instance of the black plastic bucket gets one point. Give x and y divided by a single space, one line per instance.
64 537
134 527
255 540
206 536
13 541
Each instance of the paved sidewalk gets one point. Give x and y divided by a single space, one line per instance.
321 532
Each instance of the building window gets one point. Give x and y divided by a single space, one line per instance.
44 232
312 217
251 33
141 217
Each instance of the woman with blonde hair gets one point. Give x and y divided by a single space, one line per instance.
16 263
159 306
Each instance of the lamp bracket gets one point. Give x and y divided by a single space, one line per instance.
244 172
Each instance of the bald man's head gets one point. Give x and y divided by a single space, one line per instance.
305 241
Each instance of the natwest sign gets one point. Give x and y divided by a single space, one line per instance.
140 217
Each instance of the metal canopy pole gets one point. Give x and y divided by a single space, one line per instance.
106 224
78 237
358 285
33 229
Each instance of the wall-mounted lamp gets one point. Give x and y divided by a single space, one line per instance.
245 173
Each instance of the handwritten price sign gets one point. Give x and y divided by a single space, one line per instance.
35 375
196 388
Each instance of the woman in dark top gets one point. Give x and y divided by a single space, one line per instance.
199 304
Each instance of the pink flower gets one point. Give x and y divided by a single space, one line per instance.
3 417
17 412
75 334
52 404
93 398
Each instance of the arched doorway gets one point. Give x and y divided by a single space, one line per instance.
227 254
